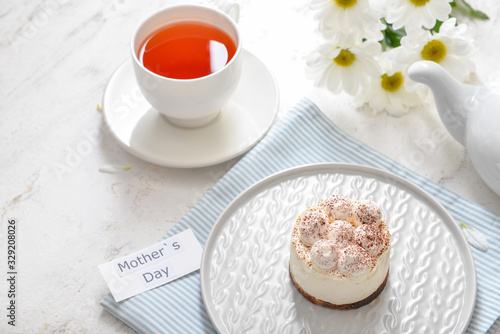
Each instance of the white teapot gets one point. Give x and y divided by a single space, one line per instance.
471 114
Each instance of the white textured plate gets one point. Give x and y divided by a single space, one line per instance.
145 133
244 275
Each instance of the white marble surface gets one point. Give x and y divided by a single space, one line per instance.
56 58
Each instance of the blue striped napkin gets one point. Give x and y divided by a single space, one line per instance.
303 136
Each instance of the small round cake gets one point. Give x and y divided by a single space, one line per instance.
340 252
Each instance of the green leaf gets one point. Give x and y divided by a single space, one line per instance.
392 37
436 27
463 7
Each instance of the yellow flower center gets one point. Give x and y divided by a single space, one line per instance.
392 83
434 50
345 3
418 3
345 58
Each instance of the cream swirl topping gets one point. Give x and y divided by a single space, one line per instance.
354 260
345 246
369 237
313 226
366 212
337 207
341 233
323 254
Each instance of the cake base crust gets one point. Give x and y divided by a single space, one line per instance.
358 304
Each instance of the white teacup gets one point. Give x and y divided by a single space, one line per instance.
188 102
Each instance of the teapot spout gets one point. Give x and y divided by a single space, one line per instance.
453 99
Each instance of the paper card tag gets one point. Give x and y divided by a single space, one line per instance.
153 266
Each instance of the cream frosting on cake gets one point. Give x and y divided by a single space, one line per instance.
340 252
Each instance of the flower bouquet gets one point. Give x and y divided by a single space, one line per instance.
369 44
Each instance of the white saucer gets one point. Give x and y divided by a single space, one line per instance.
145 133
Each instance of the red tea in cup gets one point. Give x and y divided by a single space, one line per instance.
186 49
188 61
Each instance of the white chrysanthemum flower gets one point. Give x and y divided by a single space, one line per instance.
348 65
348 16
451 48
417 13
387 90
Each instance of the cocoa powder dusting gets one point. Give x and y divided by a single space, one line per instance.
313 225
358 248
367 212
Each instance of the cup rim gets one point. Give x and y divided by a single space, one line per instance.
225 15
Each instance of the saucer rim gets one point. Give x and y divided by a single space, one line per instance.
206 162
